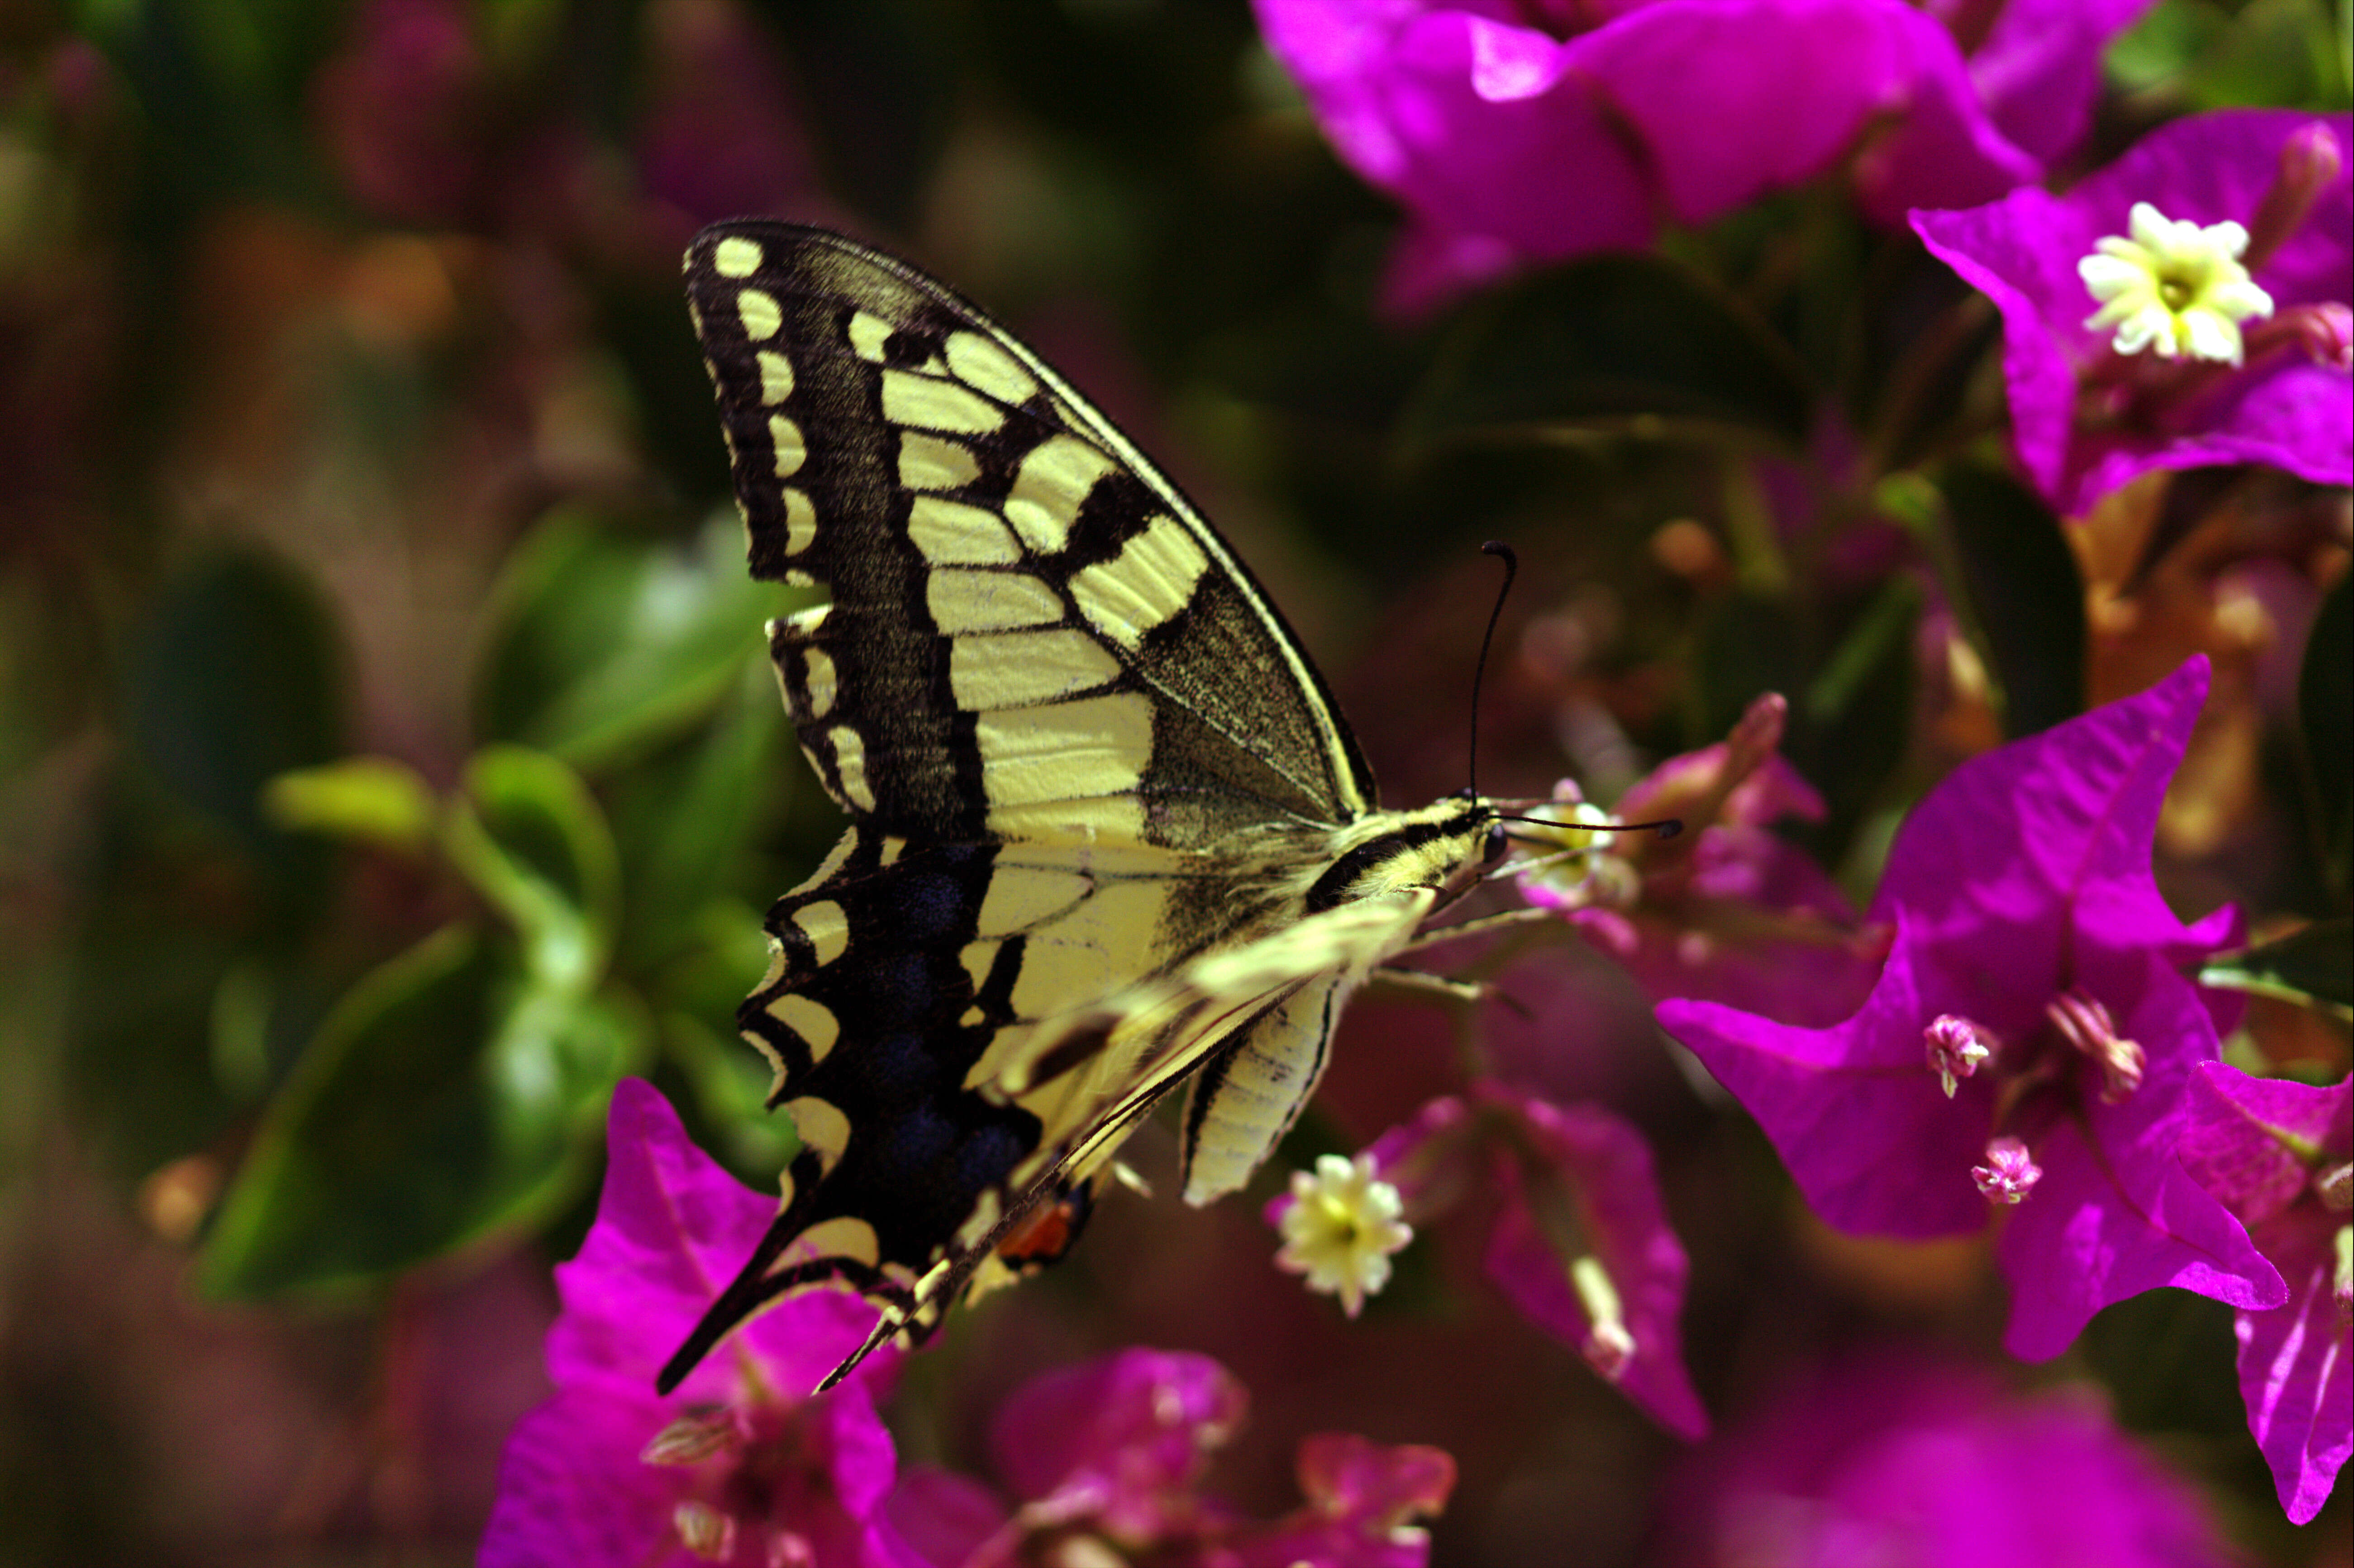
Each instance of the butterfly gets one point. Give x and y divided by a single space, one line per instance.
1108 831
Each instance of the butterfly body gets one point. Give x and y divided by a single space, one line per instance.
1110 832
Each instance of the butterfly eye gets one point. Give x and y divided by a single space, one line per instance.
1494 849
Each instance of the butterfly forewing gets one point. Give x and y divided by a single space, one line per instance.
1090 770
1026 615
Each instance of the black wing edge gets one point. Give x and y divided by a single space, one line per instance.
1038 1232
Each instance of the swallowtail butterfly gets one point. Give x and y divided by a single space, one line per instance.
1108 832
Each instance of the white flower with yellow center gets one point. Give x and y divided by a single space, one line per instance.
2174 288
1573 864
1341 1227
1569 824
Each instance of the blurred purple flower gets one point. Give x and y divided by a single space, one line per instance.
735 1467
1726 910
2276 1153
402 108
1363 1501
1109 1455
1551 129
1121 1442
1581 1246
2085 417
1900 1461
721 135
2029 1039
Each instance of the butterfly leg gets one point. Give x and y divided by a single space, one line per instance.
1421 983
1485 925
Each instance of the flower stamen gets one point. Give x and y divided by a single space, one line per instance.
1958 1048
2323 332
1608 1346
1571 866
2010 1172
692 1438
2087 1027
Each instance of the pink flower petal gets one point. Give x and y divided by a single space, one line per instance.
1606 1167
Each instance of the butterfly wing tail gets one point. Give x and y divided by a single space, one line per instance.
761 1281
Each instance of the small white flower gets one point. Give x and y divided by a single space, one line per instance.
1341 1227
1569 824
1570 863
2174 288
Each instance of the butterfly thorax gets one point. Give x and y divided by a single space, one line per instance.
1440 847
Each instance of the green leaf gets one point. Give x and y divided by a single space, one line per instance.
1852 717
1748 644
220 92
1613 342
684 819
140 1077
2154 52
1880 636
446 1098
2313 968
530 837
2275 54
1847 668
373 799
2022 600
236 680
731 1085
2325 705
604 645
2270 54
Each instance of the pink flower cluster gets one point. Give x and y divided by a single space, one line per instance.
2010 1038
1526 133
1515 136
740 1467
2032 1046
2086 417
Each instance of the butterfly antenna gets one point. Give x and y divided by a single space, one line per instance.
1480 672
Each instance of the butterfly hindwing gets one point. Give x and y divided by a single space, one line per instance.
942 1036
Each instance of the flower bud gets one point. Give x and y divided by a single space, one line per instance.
2309 161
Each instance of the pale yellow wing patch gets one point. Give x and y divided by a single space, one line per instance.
1085 1070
